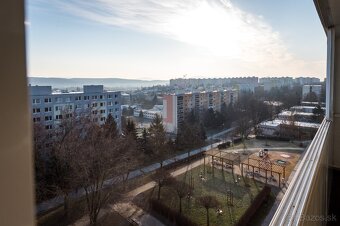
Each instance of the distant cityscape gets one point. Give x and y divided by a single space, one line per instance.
174 100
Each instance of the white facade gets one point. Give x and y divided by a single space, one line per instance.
272 128
148 114
49 107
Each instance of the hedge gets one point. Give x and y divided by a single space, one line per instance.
224 145
174 216
184 161
254 207
272 138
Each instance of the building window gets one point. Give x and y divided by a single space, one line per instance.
36 110
102 111
110 110
87 106
101 97
94 97
94 104
115 95
58 108
36 101
78 97
68 115
48 127
48 100
109 96
116 102
116 109
59 117
109 103
94 112
86 97
48 118
48 109
102 104
37 119
78 106
102 119
116 116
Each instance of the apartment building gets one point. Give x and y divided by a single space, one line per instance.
205 82
178 106
49 108
307 80
307 89
272 82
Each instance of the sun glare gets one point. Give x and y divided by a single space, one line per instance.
214 28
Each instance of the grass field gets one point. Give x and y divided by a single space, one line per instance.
217 186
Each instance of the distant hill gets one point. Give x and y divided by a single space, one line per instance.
117 83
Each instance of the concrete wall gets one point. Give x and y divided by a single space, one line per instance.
16 165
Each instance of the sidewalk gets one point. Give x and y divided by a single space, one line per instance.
136 214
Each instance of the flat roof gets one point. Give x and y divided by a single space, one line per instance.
289 113
278 122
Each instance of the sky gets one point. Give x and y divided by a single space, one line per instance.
164 39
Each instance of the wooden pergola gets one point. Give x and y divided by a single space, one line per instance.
266 166
224 159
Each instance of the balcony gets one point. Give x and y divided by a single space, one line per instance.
306 196
312 195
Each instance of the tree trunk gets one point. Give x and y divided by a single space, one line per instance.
159 192
66 204
94 217
180 205
207 217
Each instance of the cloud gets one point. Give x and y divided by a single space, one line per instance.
227 40
214 26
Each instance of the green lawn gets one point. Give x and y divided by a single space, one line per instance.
216 186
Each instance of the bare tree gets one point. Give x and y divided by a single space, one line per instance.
243 126
162 178
63 142
89 156
40 139
182 189
208 202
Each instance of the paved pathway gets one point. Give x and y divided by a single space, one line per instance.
135 214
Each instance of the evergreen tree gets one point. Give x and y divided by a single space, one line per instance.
130 129
158 138
319 114
154 100
143 142
141 116
110 127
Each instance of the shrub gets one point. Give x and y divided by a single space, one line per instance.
172 215
237 140
222 146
